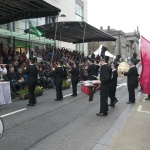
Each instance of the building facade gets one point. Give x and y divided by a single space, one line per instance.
125 45
13 33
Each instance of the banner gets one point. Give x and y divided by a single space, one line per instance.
145 61
34 30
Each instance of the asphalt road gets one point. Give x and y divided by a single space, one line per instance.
70 124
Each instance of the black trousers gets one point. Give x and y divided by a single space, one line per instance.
104 98
16 87
43 82
31 87
131 95
112 95
59 94
74 86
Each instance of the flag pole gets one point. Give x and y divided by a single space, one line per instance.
29 40
54 40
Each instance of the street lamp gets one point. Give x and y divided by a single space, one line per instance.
56 33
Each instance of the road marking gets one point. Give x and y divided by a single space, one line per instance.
14 112
68 95
140 110
123 84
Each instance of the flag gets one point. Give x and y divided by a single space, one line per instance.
33 30
145 61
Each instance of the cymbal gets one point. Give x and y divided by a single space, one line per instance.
123 66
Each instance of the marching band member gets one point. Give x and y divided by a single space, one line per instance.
105 77
59 72
113 85
132 80
74 78
92 70
32 75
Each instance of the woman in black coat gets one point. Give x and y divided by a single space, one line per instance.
74 78
113 85
59 74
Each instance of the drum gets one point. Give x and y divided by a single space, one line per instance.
123 66
85 89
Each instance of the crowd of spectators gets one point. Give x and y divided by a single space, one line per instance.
13 63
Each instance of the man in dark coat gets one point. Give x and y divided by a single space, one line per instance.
97 67
105 77
113 85
74 78
59 75
132 81
32 74
92 71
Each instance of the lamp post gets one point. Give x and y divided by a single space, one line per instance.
56 34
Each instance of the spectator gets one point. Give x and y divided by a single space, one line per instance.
41 77
16 67
48 78
14 84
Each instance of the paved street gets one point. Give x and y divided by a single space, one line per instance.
70 124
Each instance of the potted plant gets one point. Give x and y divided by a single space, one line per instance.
23 94
65 85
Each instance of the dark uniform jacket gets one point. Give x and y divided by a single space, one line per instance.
32 73
113 81
92 71
132 78
74 72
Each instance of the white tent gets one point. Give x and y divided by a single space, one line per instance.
98 51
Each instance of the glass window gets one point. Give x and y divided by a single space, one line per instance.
79 10
41 21
19 26
34 22
4 26
78 18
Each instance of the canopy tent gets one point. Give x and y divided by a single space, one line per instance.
13 10
74 32
98 51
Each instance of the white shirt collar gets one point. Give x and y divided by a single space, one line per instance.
132 66
113 70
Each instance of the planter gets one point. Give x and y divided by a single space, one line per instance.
26 95
64 87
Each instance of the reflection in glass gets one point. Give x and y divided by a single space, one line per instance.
41 21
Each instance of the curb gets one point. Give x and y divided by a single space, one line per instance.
105 141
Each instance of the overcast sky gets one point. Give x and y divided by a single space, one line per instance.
123 15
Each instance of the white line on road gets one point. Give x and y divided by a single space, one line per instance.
68 95
14 112
123 84
139 108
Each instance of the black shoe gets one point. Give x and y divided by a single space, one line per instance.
116 101
112 105
30 104
130 102
58 99
102 114
147 98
